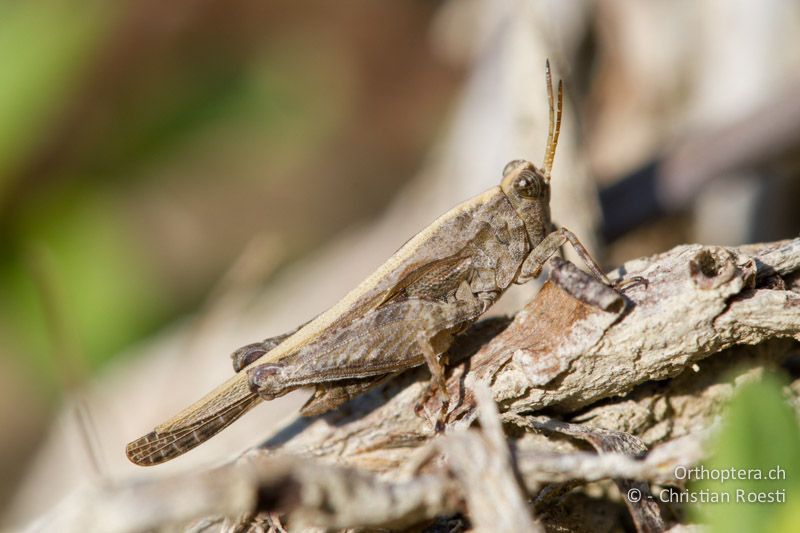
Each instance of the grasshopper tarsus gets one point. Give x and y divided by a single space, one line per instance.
624 284
439 421
441 418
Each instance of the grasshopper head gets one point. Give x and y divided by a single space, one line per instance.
528 190
527 186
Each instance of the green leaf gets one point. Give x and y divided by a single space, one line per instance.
760 438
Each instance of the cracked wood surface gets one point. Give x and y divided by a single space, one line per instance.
626 371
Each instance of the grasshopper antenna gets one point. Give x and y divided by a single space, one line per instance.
555 122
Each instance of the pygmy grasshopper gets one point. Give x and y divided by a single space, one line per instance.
404 314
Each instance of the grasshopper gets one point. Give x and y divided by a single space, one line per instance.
403 315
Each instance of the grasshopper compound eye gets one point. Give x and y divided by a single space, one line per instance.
528 184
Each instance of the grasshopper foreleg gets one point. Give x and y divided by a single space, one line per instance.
535 261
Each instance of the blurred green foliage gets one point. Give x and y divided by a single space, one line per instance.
111 295
760 432
146 145
105 294
43 47
142 146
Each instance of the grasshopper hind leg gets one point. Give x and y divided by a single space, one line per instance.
438 385
434 348
397 336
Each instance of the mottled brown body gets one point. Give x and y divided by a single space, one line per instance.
405 314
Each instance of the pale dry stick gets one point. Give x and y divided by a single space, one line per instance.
539 468
483 464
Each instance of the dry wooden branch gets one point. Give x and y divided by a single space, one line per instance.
337 497
376 464
563 353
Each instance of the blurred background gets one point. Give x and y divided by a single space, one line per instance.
178 179
144 145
